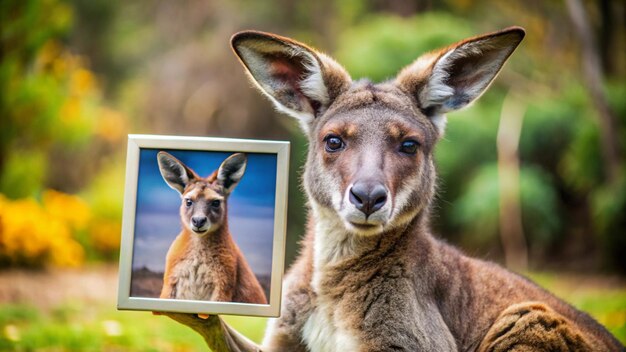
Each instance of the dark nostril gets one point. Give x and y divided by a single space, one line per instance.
378 197
368 197
356 198
198 221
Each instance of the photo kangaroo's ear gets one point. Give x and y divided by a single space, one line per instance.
300 81
451 78
231 171
176 174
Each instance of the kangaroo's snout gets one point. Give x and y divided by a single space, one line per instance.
368 196
199 221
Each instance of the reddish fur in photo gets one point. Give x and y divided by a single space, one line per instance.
203 262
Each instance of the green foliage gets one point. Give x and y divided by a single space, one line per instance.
50 101
26 103
469 141
52 118
381 45
24 172
582 169
550 124
581 163
477 210
609 218
28 24
609 200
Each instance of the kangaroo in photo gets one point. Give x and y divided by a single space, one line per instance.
203 262
371 276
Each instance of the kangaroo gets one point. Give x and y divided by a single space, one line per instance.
371 276
203 262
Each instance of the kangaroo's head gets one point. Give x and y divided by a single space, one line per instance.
370 162
203 208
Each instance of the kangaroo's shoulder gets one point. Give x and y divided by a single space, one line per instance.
179 248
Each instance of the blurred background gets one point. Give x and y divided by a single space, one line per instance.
532 176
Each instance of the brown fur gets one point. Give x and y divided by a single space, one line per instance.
381 281
210 263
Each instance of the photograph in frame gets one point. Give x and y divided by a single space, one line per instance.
204 225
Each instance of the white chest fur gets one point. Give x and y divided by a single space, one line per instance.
324 329
195 278
323 333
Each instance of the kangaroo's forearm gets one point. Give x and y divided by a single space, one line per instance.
216 333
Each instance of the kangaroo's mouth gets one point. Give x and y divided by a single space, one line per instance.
200 230
365 229
364 226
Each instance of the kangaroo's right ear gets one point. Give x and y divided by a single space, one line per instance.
300 81
176 174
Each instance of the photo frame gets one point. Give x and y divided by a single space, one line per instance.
186 201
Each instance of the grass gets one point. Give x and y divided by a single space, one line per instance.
88 326
604 301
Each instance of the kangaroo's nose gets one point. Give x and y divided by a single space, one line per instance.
368 196
198 221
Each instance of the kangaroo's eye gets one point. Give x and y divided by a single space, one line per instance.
216 203
188 202
334 144
409 147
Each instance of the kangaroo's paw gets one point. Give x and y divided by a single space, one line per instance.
533 326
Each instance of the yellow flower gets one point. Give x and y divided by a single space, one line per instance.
48 54
82 82
111 125
70 111
31 234
21 233
69 208
105 235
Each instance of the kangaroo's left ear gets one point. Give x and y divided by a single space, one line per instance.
176 174
231 171
451 78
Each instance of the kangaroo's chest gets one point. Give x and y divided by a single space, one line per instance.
195 277
326 331
352 313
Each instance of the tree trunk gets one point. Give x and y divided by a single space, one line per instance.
511 230
592 74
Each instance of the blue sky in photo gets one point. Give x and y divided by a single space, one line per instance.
250 207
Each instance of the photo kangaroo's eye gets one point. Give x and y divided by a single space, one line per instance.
188 202
334 144
216 203
409 147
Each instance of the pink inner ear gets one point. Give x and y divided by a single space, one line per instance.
281 67
286 71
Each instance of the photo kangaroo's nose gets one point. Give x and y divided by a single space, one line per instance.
199 221
368 196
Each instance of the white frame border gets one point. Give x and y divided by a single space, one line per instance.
135 143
